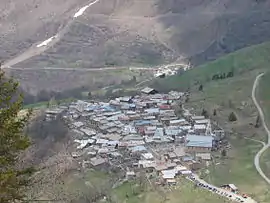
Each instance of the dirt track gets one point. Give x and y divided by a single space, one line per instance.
266 145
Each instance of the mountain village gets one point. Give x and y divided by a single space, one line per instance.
150 132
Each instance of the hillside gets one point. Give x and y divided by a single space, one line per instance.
121 32
232 94
125 33
248 60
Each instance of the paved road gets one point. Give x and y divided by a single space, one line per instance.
266 146
219 191
259 141
80 69
5 66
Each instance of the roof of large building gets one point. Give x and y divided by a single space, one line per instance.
147 90
138 148
97 161
199 141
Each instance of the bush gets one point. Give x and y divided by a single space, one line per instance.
205 113
223 153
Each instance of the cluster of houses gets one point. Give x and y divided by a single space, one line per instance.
143 132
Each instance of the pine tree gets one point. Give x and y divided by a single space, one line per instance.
89 95
187 99
204 113
258 122
201 88
232 117
13 177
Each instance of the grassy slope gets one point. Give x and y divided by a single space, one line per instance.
184 191
73 186
227 95
264 96
45 103
263 93
252 58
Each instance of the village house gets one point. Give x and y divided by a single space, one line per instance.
178 122
196 165
230 187
88 132
203 157
98 163
195 118
147 156
78 124
53 114
199 143
148 91
199 129
130 175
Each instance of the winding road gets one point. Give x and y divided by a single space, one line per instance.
266 145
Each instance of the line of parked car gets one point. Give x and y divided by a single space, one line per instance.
216 190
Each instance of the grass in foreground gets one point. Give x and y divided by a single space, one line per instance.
184 192
238 169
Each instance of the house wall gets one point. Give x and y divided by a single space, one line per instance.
200 131
198 149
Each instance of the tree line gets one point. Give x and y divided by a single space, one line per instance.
222 76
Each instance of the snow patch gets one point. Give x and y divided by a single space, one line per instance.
83 9
47 41
80 12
